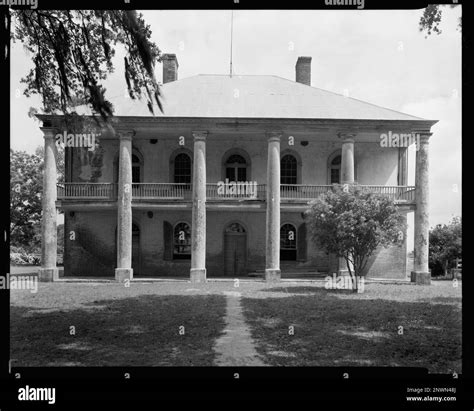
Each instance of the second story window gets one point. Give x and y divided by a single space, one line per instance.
236 168
182 169
335 170
136 169
289 173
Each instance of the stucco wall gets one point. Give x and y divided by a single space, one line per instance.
374 164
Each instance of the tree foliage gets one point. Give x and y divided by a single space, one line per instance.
26 186
431 18
352 223
25 197
72 53
445 246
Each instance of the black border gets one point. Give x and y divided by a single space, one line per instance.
106 386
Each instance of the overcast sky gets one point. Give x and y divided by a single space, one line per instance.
377 56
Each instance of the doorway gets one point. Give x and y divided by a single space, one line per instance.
235 251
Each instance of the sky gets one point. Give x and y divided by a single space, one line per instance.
378 56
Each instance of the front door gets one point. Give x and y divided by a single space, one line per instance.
235 253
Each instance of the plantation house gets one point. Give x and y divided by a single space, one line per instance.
216 186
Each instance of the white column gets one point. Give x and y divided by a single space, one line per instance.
124 269
272 265
198 232
421 273
49 241
347 161
347 177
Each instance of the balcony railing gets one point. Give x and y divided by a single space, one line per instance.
162 191
87 191
302 192
183 192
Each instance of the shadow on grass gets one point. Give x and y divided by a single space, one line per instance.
140 331
330 331
307 290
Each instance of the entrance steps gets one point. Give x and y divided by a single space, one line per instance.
287 272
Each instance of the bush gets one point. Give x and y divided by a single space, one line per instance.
23 256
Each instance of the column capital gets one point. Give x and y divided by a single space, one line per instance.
125 133
424 136
49 132
200 135
274 135
346 136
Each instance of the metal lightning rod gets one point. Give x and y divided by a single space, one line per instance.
231 34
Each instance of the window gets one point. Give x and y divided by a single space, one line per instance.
289 171
182 242
335 170
137 164
136 169
288 242
236 168
182 169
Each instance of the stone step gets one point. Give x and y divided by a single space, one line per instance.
292 274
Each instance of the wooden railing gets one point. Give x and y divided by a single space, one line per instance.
165 191
90 191
302 191
397 193
180 191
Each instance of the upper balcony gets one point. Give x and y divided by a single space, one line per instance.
170 192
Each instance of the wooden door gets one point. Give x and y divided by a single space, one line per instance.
235 254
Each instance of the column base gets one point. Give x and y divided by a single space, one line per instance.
421 277
272 274
198 275
48 275
123 274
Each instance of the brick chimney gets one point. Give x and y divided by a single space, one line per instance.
303 70
170 68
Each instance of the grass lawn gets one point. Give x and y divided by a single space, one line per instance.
139 325
340 328
114 326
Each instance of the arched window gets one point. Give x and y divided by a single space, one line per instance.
288 242
236 168
235 228
182 168
182 241
289 170
335 170
137 167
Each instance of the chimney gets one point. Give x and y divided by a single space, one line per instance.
303 70
170 68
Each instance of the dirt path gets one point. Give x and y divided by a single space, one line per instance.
236 347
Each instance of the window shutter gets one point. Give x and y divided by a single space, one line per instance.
301 242
167 241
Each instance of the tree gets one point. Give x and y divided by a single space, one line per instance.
445 246
431 18
352 223
25 197
72 53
